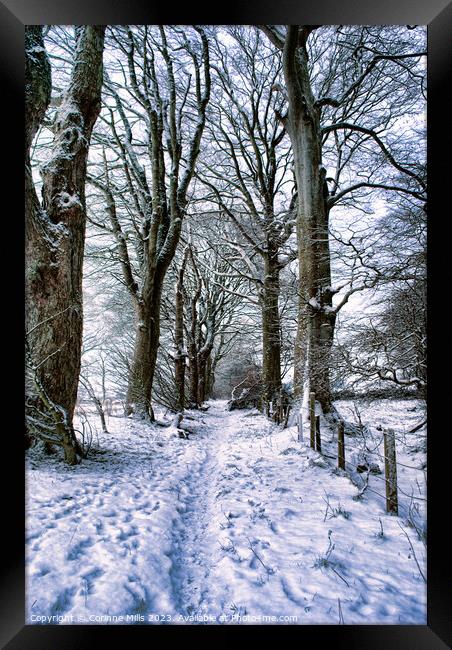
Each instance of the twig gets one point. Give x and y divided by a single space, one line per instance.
268 569
417 427
413 551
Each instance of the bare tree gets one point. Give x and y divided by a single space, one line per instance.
161 109
247 170
387 343
368 66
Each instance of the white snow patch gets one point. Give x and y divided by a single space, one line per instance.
66 200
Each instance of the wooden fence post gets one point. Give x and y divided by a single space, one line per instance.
286 417
312 418
390 472
340 445
318 443
300 426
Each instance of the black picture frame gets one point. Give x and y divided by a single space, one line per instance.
437 14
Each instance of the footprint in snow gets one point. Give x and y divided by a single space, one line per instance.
254 503
109 513
64 512
289 450
288 591
63 602
125 534
78 549
88 579
41 570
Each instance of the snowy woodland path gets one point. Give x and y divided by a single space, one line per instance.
240 520
190 556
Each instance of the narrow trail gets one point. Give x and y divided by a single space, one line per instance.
190 548
229 522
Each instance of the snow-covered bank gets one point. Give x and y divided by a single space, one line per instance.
240 523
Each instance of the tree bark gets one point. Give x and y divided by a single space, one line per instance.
314 333
55 231
202 369
180 355
271 329
38 89
203 363
193 351
210 377
147 341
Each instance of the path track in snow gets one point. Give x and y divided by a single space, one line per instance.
191 550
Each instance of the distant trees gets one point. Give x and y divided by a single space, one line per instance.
55 233
203 308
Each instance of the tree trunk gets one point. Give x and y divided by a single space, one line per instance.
193 372
38 89
314 334
211 368
168 197
147 340
210 379
325 316
55 232
271 330
179 357
193 346
202 369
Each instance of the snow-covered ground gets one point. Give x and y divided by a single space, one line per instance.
241 523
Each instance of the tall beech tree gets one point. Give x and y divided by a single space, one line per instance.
155 120
368 75
55 234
